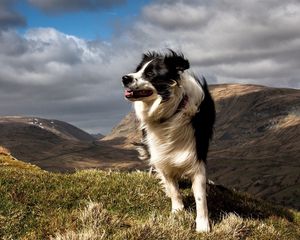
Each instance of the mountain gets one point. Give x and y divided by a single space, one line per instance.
97 135
125 133
256 146
58 146
60 129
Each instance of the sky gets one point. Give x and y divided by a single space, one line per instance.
63 59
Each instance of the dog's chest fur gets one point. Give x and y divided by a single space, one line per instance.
171 145
171 142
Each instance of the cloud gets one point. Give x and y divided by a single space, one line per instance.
254 40
176 16
8 16
60 76
51 74
60 6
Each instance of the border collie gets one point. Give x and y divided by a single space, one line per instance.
176 114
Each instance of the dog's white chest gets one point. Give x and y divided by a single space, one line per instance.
171 145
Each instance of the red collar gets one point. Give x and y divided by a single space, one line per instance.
183 103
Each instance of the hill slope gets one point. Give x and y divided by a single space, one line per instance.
257 142
35 204
58 146
256 146
61 129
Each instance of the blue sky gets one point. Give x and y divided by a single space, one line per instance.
87 24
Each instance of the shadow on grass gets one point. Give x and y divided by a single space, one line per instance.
222 201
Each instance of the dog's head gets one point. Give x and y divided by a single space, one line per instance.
156 75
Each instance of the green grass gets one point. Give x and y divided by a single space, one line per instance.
35 204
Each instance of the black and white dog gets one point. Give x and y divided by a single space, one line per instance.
176 114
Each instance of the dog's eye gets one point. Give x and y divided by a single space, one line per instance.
149 74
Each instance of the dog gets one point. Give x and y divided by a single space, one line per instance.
176 114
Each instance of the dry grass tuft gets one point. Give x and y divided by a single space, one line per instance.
4 151
179 226
232 226
93 223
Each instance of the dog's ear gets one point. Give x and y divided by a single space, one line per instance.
176 62
150 55
146 57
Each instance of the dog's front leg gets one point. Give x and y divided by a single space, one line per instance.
199 189
172 191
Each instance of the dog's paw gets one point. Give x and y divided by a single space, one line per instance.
177 205
177 208
202 225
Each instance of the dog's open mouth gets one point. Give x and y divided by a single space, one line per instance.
137 93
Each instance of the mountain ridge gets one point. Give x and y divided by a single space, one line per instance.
55 145
57 127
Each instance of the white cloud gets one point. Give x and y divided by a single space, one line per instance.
253 40
52 74
176 16
55 74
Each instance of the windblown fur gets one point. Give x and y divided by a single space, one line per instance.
176 114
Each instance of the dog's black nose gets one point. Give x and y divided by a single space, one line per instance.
127 79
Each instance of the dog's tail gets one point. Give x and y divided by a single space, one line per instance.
203 121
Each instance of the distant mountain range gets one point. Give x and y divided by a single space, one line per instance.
256 146
58 146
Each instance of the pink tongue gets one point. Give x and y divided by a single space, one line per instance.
128 93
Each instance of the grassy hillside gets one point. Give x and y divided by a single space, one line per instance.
90 204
